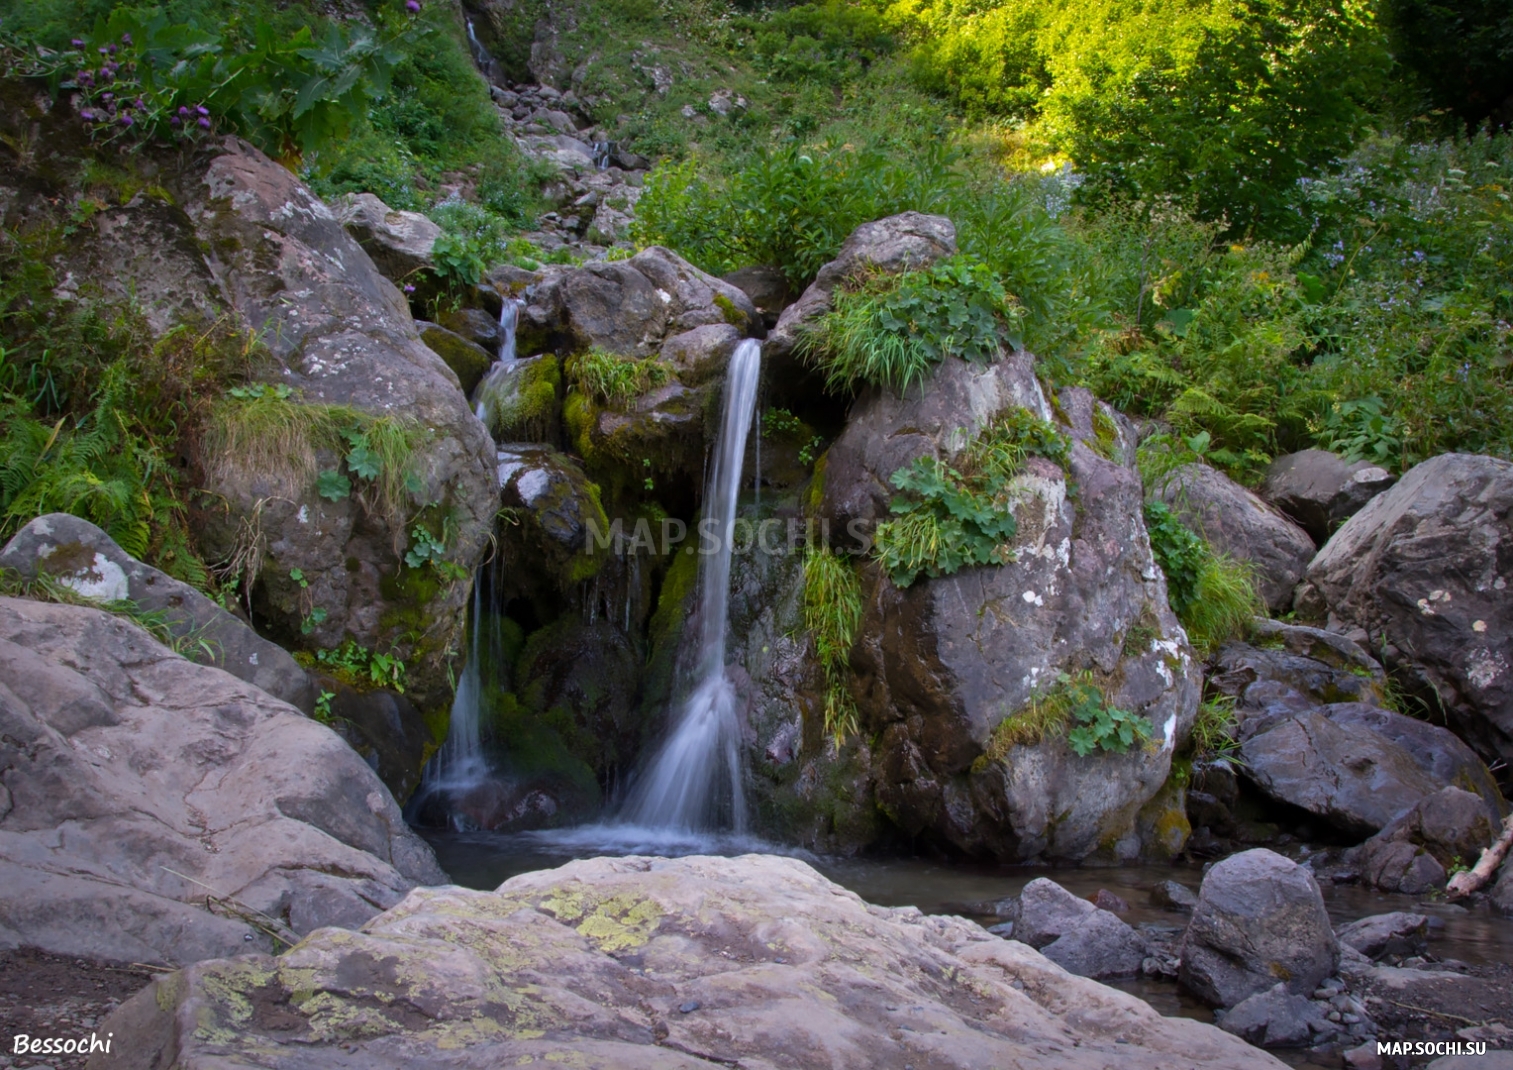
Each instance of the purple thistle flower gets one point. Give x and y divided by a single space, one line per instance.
87 116
104 51
126 39
139 105
202 109
412 6
408 288
112 49
174 120
204 123
125 120
183 111
107 97
77 42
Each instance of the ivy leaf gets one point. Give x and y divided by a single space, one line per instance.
333 486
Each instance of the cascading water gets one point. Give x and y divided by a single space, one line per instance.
507 365
694 783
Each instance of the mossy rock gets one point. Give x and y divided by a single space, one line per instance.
520 400
467 359
560 534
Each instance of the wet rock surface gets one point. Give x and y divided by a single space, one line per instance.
668 963
138 783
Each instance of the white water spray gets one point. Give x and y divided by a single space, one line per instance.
506 367
694 784
460 764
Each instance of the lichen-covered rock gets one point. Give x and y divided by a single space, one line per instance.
139 783
80 556
342 334
1425 569
669 963
1287 669
1238 523
1260 918
1320 490
400 243
941 665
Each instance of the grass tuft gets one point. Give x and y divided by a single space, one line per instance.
832 614
614 380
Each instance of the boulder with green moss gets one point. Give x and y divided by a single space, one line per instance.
556 526
636 963
468 360
519 401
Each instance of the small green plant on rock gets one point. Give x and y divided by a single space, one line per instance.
614 380
1099 725
891 330
357 666
954 516
1213 596
832 614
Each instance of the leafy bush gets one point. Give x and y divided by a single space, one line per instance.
891 330
1068 700
357 666
1099 725
834 42
832 614
1214 597
950 518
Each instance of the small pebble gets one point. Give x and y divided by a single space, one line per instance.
689 1007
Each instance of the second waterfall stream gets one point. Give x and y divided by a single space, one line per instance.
694 782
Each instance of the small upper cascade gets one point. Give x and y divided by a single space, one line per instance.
694 784
460 764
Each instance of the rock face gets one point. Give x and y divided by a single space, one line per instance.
1238 523
1289 669
136 783
1260 918
1414 852
941 665
898 243
342 334
1320 490
79 555
1425 568
400 243
641 963
631 307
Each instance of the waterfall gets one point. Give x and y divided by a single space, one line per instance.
694 783
506 366
460 764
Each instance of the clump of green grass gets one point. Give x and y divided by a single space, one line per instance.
1074 705
1213 736
611 379
1213 595
832 614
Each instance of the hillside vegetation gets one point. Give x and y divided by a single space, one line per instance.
1265 224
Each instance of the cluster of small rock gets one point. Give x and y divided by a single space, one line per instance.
598 182
1258 947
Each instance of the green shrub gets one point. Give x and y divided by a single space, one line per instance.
1069 701
832 615
834 42
891 330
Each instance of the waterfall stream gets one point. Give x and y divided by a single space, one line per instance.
694 783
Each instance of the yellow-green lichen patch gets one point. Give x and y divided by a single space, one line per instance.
621 922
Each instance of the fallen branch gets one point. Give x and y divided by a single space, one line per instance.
1463 884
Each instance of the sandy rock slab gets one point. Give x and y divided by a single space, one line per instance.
755 962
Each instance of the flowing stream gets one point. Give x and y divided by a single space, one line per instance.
694 783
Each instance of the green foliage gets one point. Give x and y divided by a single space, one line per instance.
1214 730
1099 725
615 380
357 666
954 516
427 549
832 43
473 238
832 615
290 93
1213 596
891 330
1460 52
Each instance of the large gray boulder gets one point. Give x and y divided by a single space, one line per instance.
1424 569
1415 851
1276 1018
155 810
1357 783
1238 523
1320 490
1260 919
902 242
75 553
631 307
341 334
400 243
1076 935
637 963
940 665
